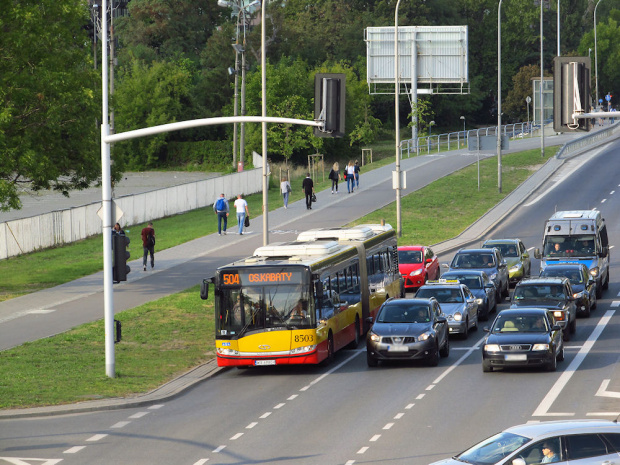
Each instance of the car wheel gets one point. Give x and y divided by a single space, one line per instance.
370 360
475 327
573 326
466 333
599 290
560 356
494 309
433 358
593 304
445 351
606 284
565 335
486 367
553 364
506 292
586 312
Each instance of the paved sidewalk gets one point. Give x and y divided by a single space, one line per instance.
418 168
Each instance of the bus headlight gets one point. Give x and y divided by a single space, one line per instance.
301 350
223 351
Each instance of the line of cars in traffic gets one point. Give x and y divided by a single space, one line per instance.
532 332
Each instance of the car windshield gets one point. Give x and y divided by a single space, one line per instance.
493 449
539 292
404 313
507 250
442 294
520 324
573 275
472 282
409 256
473 260
569 246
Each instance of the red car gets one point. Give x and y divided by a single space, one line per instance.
417 264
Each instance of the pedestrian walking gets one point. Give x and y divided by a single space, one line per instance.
356 170
285 189
334 175
242 209
350 176
308 186
148 245
221 209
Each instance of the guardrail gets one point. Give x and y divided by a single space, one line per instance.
587 140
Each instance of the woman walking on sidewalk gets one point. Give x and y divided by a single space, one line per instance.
350 176
334 175
285 190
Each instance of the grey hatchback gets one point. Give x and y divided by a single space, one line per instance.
408 329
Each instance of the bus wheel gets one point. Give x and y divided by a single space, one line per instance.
330 350
355 342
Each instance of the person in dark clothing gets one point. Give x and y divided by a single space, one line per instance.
148 245
334 175
357 169
308 187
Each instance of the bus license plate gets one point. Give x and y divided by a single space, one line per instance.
398 349
516 357
264 362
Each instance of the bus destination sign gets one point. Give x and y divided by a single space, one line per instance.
259 278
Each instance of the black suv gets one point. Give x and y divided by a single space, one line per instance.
554 294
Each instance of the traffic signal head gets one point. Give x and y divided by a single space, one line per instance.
571 93
120 269
329 99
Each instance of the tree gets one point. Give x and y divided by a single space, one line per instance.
515 105
49 99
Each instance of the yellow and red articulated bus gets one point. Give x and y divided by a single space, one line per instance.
300 302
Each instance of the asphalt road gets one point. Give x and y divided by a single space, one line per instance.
347 413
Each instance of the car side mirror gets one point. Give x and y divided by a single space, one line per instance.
556 328
486 329
441 319
429 260
504 262
370 320
204 289
489 286
445 265
537 254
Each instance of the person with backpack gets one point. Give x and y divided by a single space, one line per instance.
148 245
221 209
356 170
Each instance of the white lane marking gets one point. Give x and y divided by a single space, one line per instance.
388 426
603 201
96 437
615 303
236 436
375 438
618 294
429 388
155 407
28 461
602 414
543 409
120 424
603 392
399 416
218 449
420 396
409 406
251 425
459 361
337 367
292 397
201 462
139 415
265 415
350 462
612 193
74 450
362 450
279 406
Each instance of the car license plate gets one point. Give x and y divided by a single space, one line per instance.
264 362
398 349
515 357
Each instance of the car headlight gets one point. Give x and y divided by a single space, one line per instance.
544 347
458 316
493 276
416 272
516 267
559 315
425 336
374 337
594 272
479 301
491 348
578 295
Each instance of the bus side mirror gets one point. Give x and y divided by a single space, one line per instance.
537 254
204 289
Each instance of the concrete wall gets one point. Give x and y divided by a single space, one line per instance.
65 226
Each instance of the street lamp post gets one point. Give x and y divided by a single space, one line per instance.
558 27
263 72
430 134
463 118
397 121
528 100
596 56
499 96
542 106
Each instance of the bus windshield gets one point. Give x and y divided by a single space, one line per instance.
569 246
252 301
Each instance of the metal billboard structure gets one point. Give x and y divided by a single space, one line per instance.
432 59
